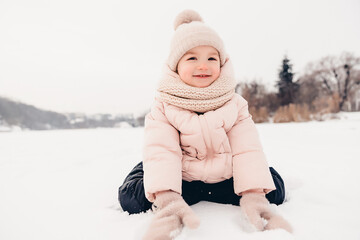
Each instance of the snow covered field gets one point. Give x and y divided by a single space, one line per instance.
63 184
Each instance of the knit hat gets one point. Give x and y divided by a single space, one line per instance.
190 32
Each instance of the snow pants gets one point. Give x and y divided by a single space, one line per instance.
132 194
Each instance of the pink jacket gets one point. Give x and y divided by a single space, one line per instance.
211 147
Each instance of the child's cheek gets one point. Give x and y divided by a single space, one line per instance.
188 72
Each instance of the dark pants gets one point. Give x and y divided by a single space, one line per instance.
132 195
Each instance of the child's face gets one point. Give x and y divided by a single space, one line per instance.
200 66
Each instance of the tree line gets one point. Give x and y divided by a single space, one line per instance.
329 85
326 86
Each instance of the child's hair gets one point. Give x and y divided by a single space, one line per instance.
190 32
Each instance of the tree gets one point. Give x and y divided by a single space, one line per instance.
286 87
336 76
262 102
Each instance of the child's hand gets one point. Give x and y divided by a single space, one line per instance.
255 206
171 212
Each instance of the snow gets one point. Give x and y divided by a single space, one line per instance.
63 184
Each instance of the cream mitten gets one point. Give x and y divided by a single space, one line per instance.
255 207
171 212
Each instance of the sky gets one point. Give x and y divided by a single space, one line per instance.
106 56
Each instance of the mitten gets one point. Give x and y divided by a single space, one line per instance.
255 207
170 214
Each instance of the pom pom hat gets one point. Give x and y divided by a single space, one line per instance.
190 32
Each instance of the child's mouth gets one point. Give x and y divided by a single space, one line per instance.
202 76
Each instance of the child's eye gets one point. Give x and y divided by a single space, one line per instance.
212 59
192 58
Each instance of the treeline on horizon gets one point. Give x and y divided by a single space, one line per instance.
327 86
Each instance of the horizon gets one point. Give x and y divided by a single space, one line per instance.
85 57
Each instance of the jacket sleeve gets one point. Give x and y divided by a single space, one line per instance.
162 154
250 168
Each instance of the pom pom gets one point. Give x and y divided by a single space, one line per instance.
186 16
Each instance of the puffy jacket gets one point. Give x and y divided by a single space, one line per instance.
211 147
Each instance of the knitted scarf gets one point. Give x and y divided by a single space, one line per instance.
174 91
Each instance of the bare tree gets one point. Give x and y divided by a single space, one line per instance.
334 75
310 90
258 96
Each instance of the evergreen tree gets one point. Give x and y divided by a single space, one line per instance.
287 88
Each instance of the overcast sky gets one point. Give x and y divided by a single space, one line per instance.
107 55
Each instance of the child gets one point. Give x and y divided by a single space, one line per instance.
200 141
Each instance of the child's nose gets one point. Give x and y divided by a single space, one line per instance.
203 66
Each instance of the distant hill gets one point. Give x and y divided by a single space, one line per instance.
19 115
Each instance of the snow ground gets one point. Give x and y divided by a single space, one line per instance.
63 184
